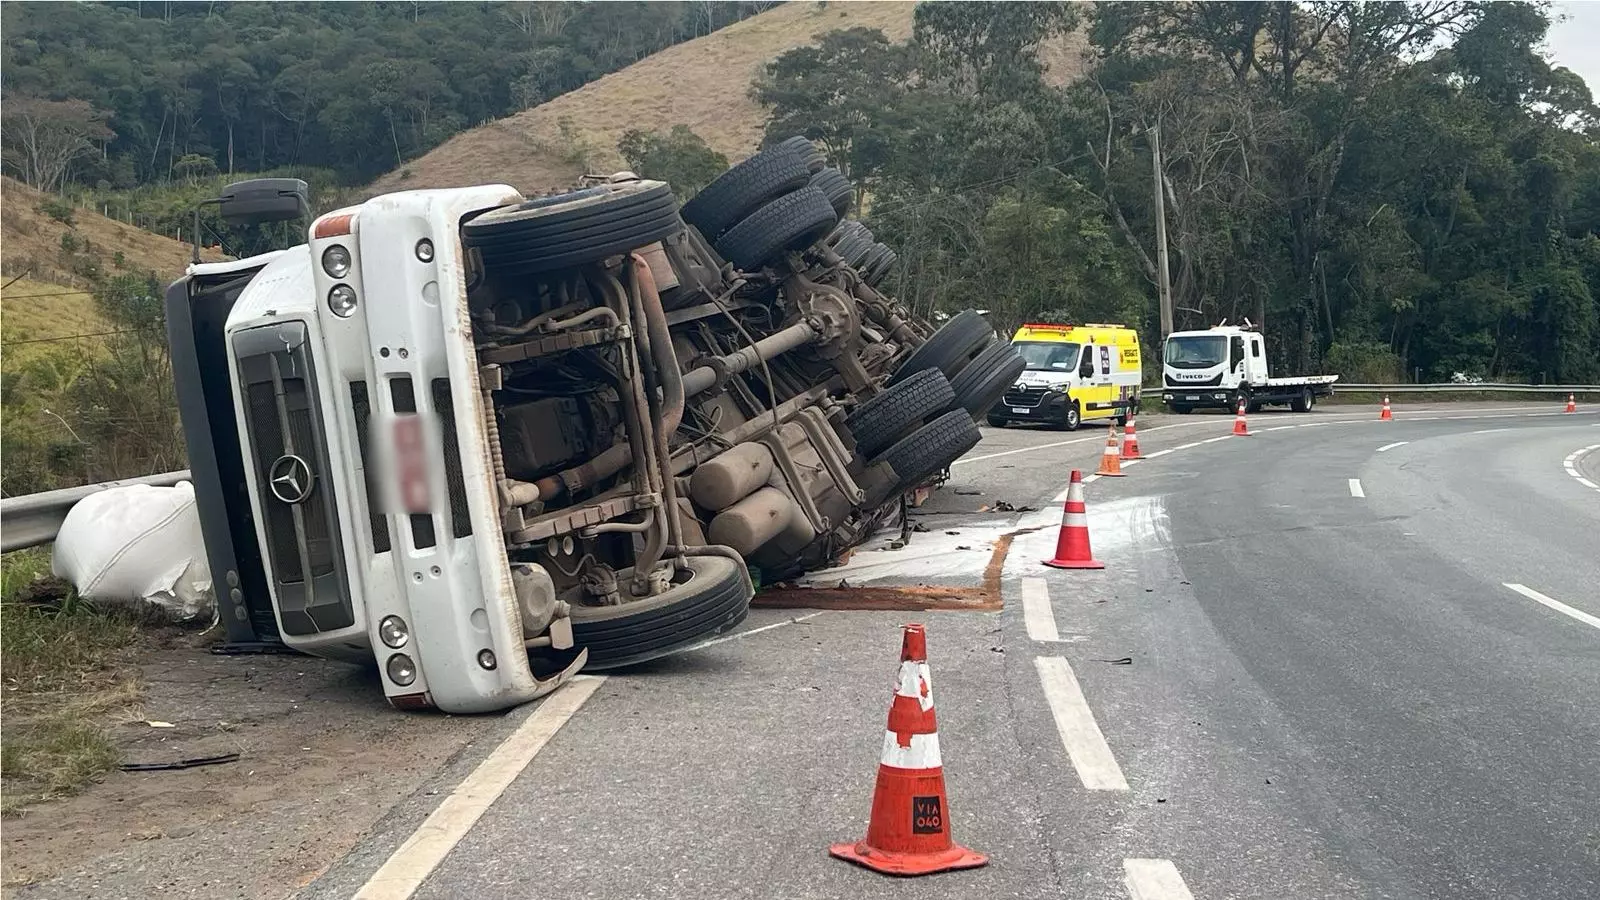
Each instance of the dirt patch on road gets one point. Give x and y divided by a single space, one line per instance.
321 758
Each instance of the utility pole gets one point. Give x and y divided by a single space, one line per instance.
1161 234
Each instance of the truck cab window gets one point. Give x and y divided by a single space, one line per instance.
1255 347
1236 351
1086 365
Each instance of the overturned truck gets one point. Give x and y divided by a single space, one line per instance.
488 441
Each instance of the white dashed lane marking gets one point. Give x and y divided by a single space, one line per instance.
1355 488
1571 465
1086 745
1036 613
1154 879
1387 447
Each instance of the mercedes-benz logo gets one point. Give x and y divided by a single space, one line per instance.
290 479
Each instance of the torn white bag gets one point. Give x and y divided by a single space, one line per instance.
137 543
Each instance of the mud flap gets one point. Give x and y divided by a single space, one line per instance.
543 686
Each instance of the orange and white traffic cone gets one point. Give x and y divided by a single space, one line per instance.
909 832
1130 441
1240 427
1572 403
1386 415
1072 543
1110 461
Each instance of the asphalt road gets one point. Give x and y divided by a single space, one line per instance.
1330 692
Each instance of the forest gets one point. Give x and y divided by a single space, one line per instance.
1394 190
115 95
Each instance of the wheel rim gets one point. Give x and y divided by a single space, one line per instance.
1074 417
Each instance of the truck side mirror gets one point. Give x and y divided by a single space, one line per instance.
262 200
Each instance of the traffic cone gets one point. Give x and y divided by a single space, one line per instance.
1130 442
1072 542
1386 415
1572 403
1240 427
909 832
1110 462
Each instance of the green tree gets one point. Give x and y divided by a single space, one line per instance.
680 157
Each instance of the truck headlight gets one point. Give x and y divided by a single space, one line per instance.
336 261
401 669
393 632
342 300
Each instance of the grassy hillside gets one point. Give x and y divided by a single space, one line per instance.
703 83
32 227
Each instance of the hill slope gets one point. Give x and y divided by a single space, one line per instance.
47 263
703 83
32 240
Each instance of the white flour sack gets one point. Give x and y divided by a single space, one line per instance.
137 543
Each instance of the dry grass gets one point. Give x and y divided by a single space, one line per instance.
30 241
35 313
61 685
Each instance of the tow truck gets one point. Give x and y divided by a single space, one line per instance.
1225 366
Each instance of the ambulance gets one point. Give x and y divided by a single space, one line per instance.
1075 374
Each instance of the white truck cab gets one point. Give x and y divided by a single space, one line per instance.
1225 366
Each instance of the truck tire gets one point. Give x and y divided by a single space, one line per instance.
744 188
853 246
714 598
838 189
951 347
1305 402
790 222
885 418
807 150
923 452
846 229
879 264
985 380
574 228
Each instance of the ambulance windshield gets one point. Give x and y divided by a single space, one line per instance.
1045 356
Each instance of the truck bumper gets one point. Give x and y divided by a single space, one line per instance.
1200 398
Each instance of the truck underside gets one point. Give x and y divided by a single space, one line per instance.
663 410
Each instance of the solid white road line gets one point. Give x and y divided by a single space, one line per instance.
1571 465
1387 447
404 872
1087 747
1355 488
744 634
1154 879
1215 439
1036 613
1556 605
1490 430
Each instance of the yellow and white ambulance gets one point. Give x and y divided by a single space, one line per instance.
1075 373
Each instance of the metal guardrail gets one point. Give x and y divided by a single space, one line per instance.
34 519
1453 388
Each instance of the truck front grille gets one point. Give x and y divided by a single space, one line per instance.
460 520
293 476
1213 381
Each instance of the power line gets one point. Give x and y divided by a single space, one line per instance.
69 337
47 294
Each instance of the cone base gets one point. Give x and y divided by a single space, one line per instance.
1073 563
1111 474
1128 456
909 864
